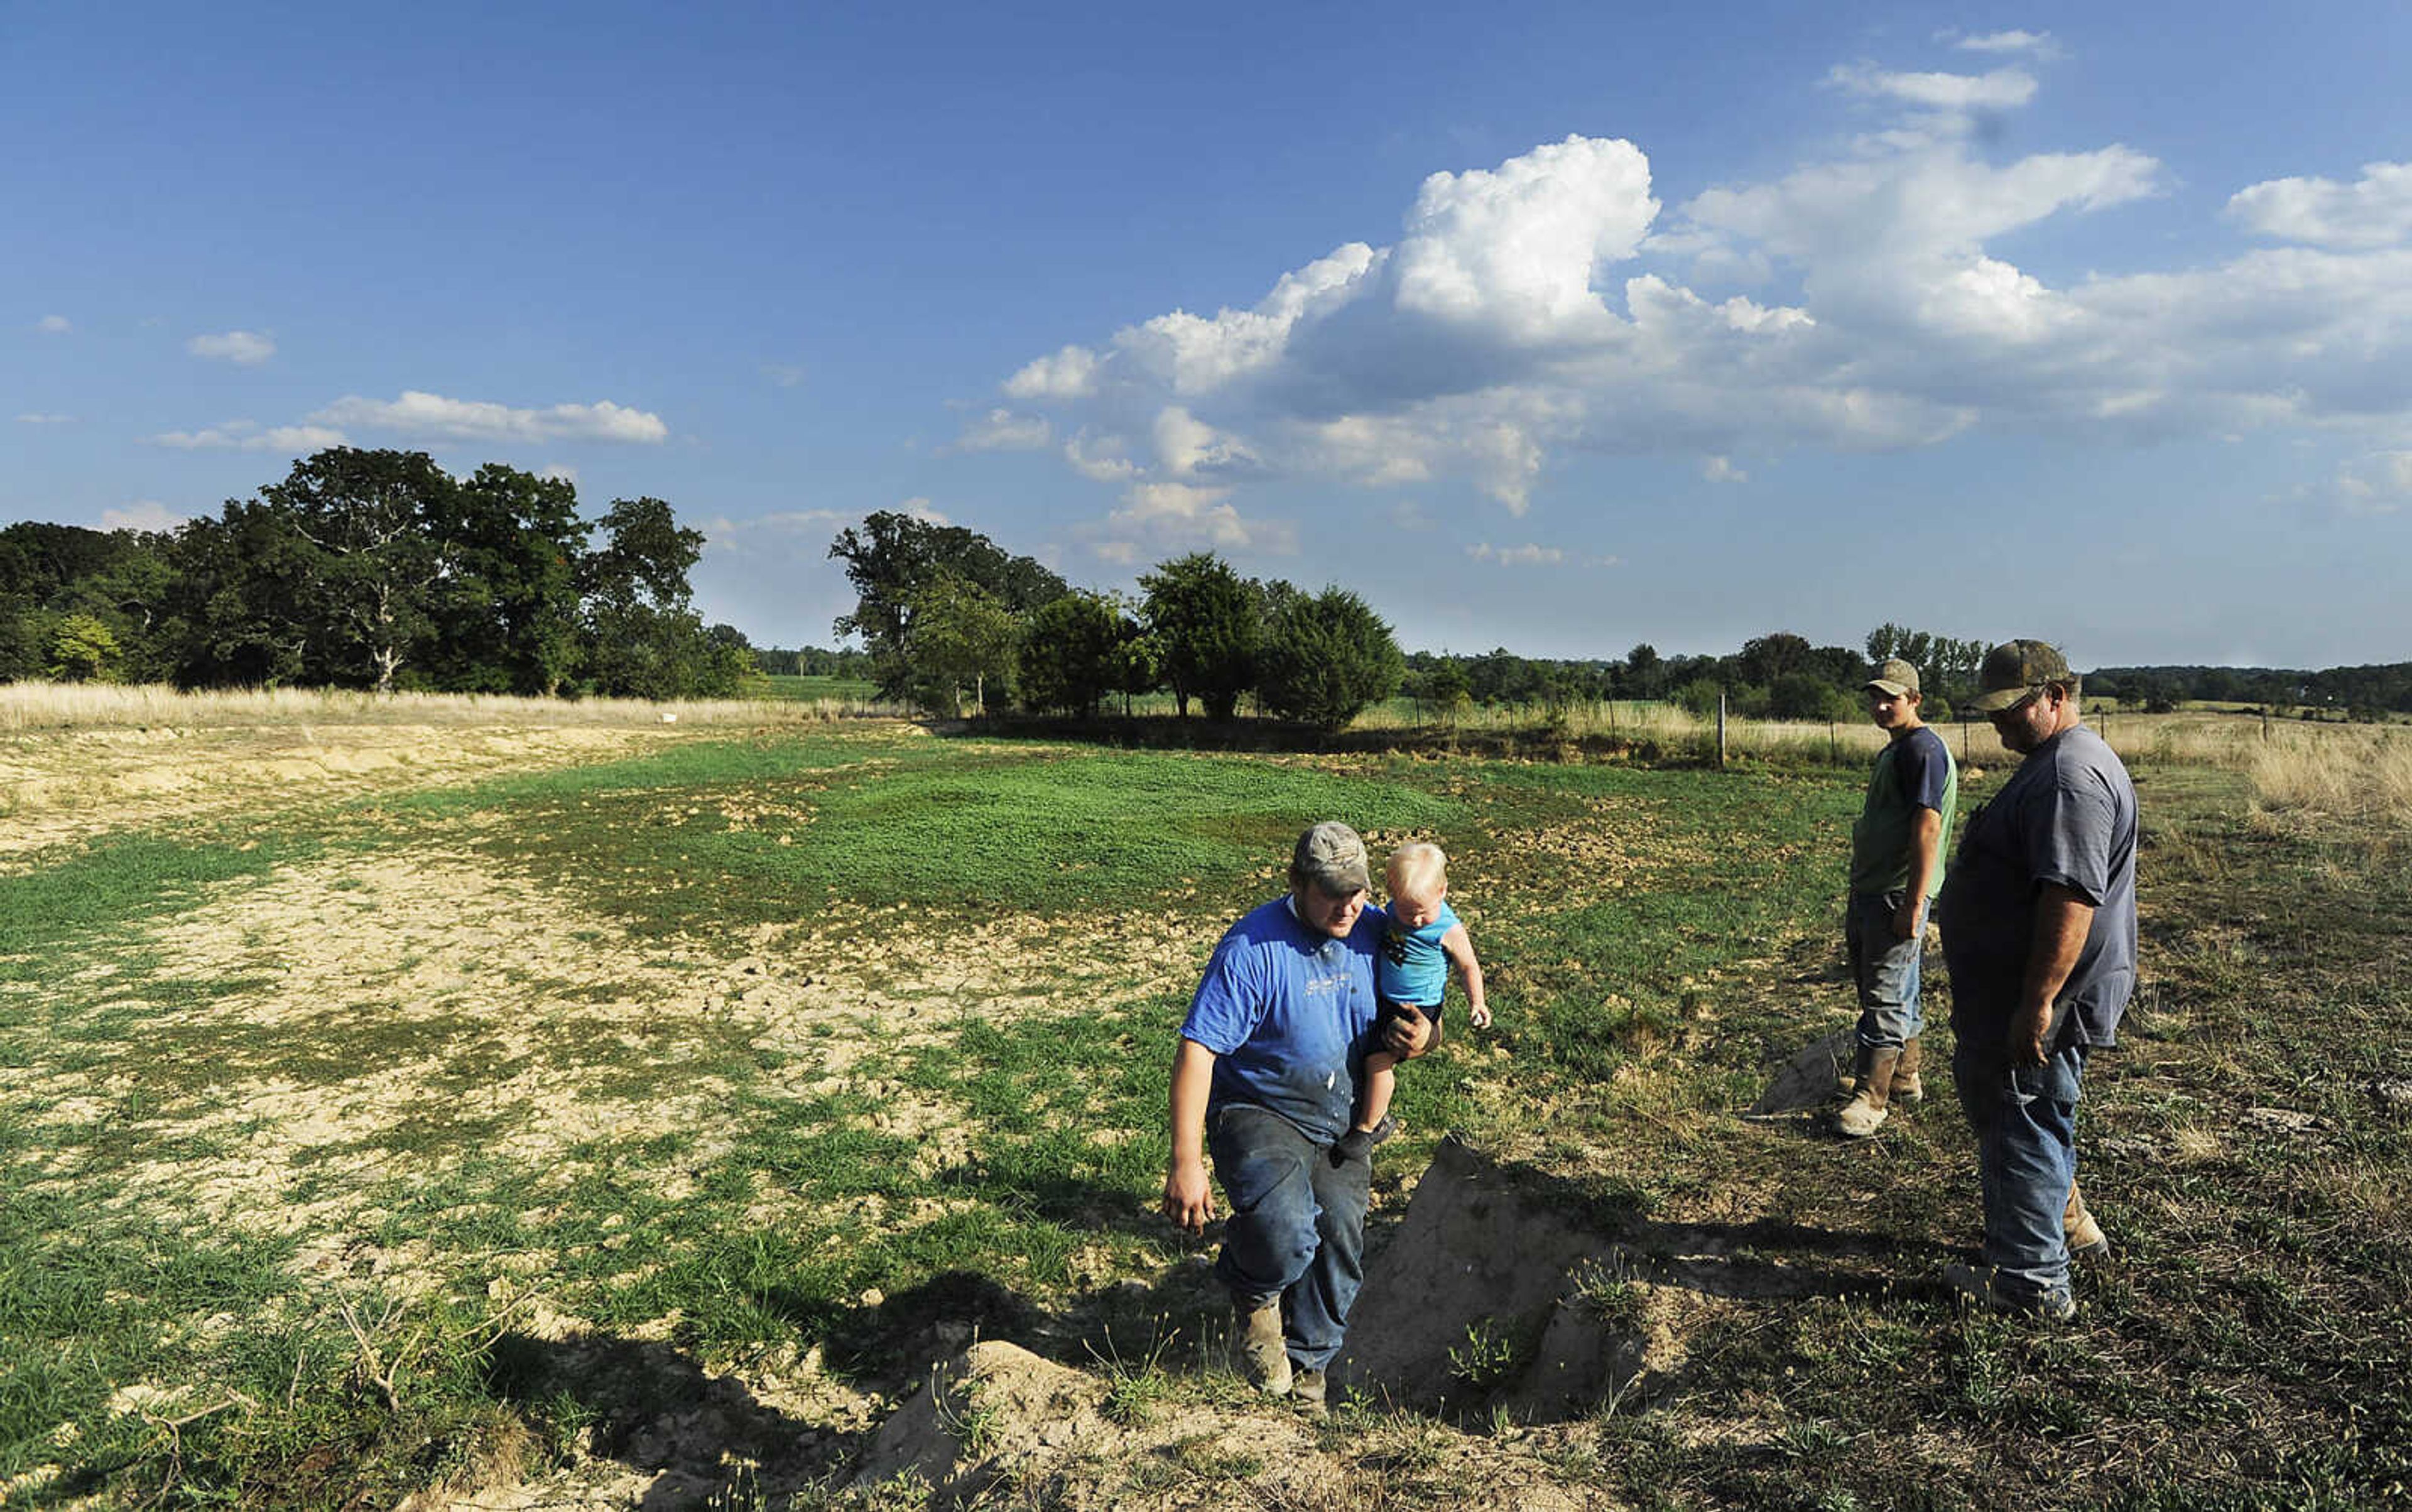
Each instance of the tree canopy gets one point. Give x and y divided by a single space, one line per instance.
374 569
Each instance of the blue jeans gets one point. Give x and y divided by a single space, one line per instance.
1296 1226
2025 1119
1885 969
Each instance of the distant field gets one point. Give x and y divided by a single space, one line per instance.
461 1123
805 689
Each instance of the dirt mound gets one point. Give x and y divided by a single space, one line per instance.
998 1416
1494 1296
1809 1078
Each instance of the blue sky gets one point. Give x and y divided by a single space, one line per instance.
1553 327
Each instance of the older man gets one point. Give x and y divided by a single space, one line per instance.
2039 919
1265 1075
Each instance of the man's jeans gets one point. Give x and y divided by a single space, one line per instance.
1296 1226
1885 969
2025 1119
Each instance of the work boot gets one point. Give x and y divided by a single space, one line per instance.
2084 1236
1871 1088
1985 1285
1908 1087
1264 1358
1307 1389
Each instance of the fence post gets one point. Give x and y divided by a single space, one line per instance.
2265 721
1833 742
1721 729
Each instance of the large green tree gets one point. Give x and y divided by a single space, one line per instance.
1326 657
959 636
119 580
505 607
643 638
372 522
1072 654
235 614
1208 625
891 557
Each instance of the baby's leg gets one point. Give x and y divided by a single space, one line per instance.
1372 1123
1380 1079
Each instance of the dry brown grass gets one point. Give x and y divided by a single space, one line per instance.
42 706
2357 773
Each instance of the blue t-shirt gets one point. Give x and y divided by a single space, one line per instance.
1289 1012
2067 816
1414 969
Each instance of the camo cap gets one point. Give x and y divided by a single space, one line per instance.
1332 858
2014 668
1895 676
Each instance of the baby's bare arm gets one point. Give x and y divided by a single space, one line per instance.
1460 946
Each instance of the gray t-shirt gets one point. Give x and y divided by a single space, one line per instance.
2066 816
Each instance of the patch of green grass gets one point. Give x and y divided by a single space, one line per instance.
951 829
107 889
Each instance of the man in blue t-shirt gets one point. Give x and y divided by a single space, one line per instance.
1896 870
1268 1069
2038 922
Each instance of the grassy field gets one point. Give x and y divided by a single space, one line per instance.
635 1121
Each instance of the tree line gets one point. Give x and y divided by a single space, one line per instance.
951 621
2358 692
375 570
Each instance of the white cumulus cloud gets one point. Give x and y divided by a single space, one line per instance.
1549 303
54 325
1069 373
1512 250
2378 484
2373 211
142 514
1002 429
246 435
1517 556
1101 459
1168 518
2037 43
2003 89
245 347
419 415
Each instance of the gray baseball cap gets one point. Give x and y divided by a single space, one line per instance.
2013 668
1331 857
1895 676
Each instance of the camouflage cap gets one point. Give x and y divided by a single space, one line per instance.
2012 669
1895 676
1331 858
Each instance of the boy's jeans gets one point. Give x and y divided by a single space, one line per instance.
1884 969
1296 1229
2025 1119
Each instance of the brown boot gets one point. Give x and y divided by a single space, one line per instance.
1908 1087
1264 1358
1872 1090
2084 1236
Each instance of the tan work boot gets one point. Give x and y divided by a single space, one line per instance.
2084 1236
1908 1087
1264 1358
1871 1089
1309 1393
